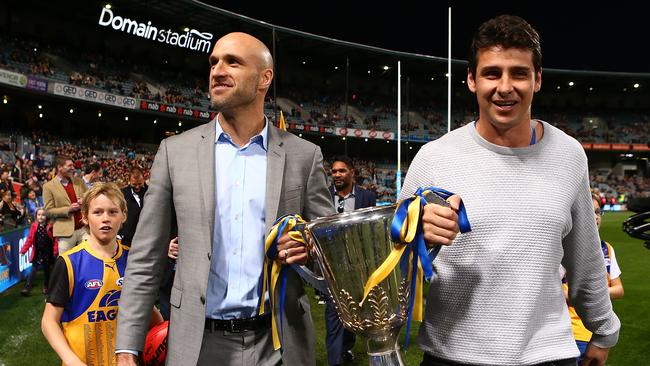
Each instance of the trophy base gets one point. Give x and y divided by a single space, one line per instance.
383 349
387 358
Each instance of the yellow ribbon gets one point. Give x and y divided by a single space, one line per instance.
408 231
273 261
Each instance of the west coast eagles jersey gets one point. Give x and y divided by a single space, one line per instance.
89 319
580 332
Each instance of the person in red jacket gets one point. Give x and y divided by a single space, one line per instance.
45 249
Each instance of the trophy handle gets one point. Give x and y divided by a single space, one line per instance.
317 282
433 197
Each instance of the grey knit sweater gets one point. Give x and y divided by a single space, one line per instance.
497 298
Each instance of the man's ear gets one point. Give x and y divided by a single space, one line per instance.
266 77
471 83
538 80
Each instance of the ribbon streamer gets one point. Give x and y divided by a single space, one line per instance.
410 249
278 271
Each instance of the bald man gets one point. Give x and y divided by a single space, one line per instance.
227 181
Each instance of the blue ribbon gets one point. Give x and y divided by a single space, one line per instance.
418 249
272 253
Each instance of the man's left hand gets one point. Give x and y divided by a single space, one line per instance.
595 356
291 251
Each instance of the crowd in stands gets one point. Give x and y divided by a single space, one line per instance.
126 77
614 189
116 157
32 169
123 77
102 72
29 54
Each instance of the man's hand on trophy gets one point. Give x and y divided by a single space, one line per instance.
440 223
291 251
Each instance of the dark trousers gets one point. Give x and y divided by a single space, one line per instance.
429 360
338 339
165 290
35 267
249 348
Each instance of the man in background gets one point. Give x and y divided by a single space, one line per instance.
63 196
134 195
346 196
92 174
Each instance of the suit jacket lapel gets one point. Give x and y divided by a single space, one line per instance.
275 159
357 197
61 189
206 174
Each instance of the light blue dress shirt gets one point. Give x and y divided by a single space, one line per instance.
239 230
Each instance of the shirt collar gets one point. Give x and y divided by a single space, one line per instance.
260 139
350 195
63 181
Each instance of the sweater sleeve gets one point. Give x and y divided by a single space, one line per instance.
586 273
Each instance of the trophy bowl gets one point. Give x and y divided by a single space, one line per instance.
347 248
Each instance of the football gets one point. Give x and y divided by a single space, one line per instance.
155 345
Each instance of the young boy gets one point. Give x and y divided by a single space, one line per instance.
80 315
614 284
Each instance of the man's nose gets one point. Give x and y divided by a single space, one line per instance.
505 85
218 69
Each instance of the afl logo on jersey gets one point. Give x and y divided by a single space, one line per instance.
94 284
119 281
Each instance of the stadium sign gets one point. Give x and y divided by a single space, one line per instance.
36 83
96 96
166 108
192 39
13 78
14 267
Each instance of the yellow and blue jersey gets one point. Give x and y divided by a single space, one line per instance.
580 332
89 319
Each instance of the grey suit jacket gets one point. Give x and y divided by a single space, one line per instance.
182 179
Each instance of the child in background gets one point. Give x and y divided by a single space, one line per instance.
45 250
80 316
580 332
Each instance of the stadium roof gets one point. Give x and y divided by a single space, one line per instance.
575 35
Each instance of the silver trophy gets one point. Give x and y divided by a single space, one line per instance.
347 248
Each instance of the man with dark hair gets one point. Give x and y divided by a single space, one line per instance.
496 298
62 197
134 195
346 196
92 174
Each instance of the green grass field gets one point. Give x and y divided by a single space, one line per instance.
21 341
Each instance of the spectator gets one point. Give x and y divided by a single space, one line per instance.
41 239
134 195
32 202
17 170
92 173
346 196
10 210
63 196
6 184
